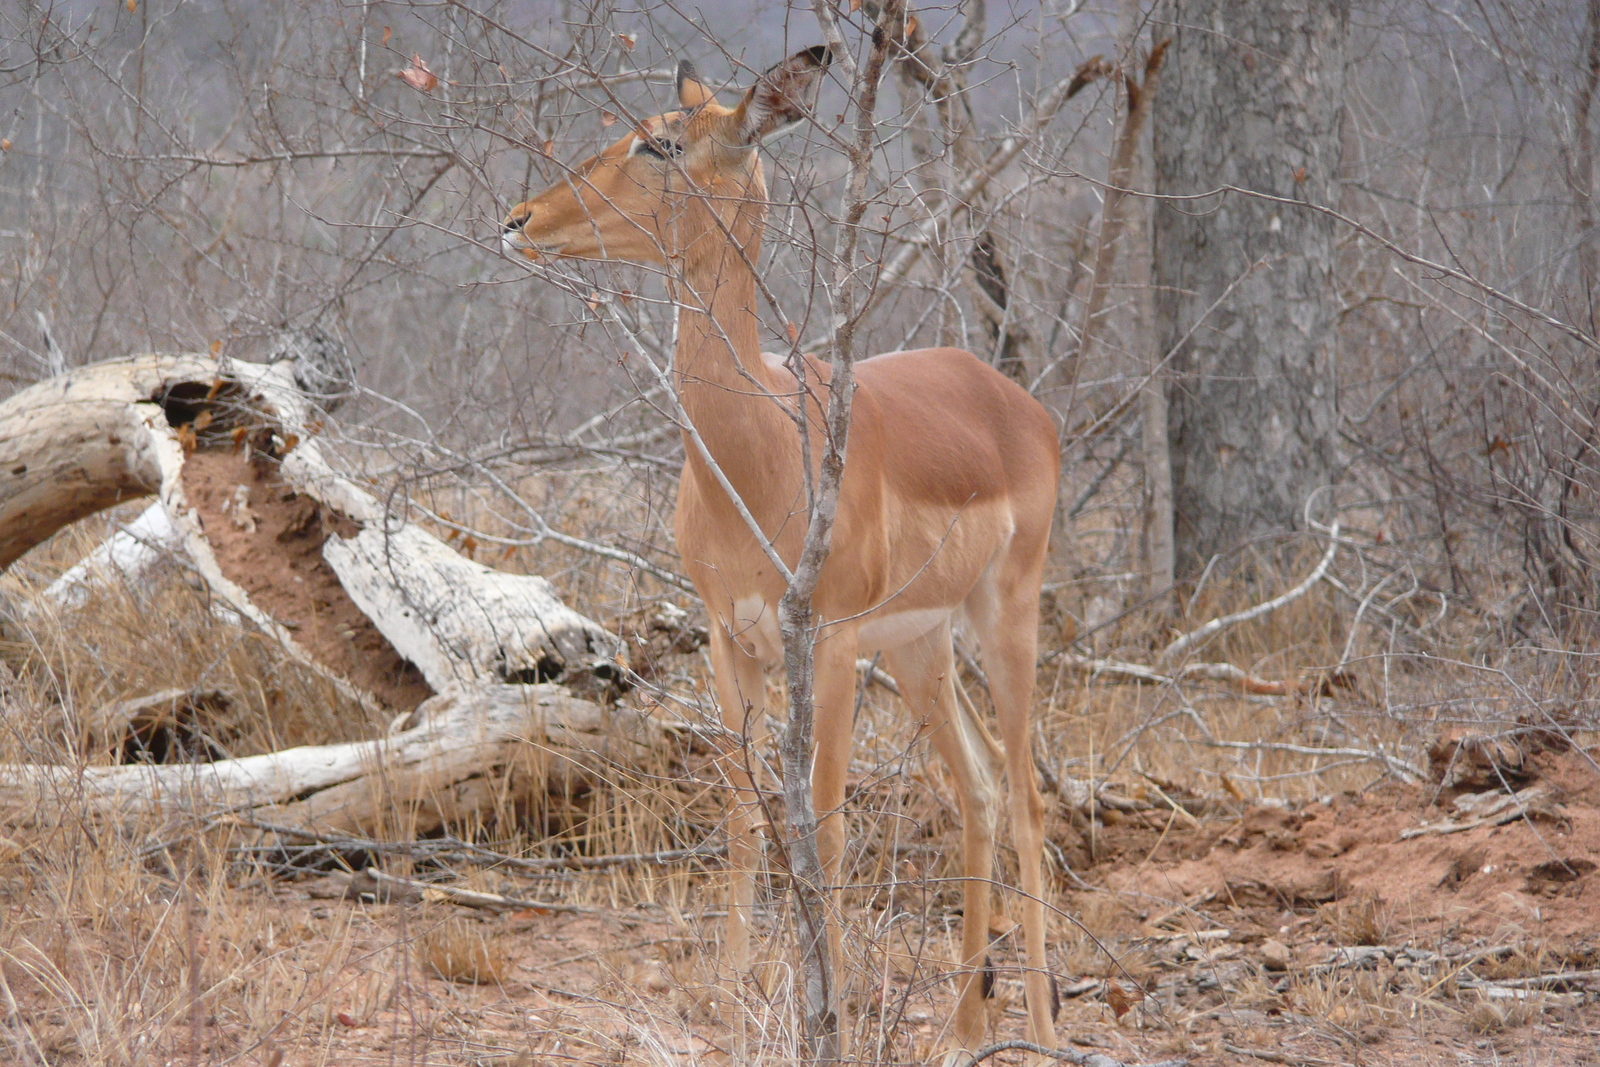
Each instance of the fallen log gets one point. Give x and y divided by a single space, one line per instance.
434 773
246 498
118 430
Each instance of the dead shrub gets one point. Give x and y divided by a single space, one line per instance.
458 952
1494 1016
1358 920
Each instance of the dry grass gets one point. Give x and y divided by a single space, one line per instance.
460 950
116 952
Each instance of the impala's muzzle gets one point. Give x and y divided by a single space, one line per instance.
514 239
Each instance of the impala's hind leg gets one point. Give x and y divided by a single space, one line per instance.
924 670
1004 610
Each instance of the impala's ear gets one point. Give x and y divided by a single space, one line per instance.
782 96
692 92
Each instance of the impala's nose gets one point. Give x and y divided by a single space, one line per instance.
512 239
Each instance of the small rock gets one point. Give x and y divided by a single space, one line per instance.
1275 955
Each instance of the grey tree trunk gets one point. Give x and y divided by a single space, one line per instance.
1252 97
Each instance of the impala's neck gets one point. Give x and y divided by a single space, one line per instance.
724 384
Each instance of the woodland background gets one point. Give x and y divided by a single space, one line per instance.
1390 321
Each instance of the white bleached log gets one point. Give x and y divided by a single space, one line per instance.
128 554
428 770
103 434
74 445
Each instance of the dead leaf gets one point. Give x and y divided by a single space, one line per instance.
418 76
132 6
202 420
346 1019
238 435
289 441
469 545
216 383
607 118
1299 175
855 5
911 25
387 33
594 301
793 331
1122 1000
5 144
625 295
186 439
627 41
549 147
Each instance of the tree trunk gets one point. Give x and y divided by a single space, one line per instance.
1157 465
1253 99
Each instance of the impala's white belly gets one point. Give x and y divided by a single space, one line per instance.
882 632
755 627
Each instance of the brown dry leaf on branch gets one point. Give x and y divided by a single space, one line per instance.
418 76
1122 1000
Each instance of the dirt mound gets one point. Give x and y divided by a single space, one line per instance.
268 539
1466 863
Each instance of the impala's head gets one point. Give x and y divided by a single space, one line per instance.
648 197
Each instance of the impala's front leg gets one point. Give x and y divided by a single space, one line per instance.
741 693
834 695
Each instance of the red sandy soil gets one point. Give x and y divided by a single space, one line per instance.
1535 873
280 566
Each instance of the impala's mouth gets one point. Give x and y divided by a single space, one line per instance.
513 240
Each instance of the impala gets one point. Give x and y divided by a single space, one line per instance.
943 518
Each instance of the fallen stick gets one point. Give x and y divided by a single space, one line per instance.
1187 641
1082 1059
1536 981
1508 808
436 848
1280 1057
1394 763
1215 672
444 894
